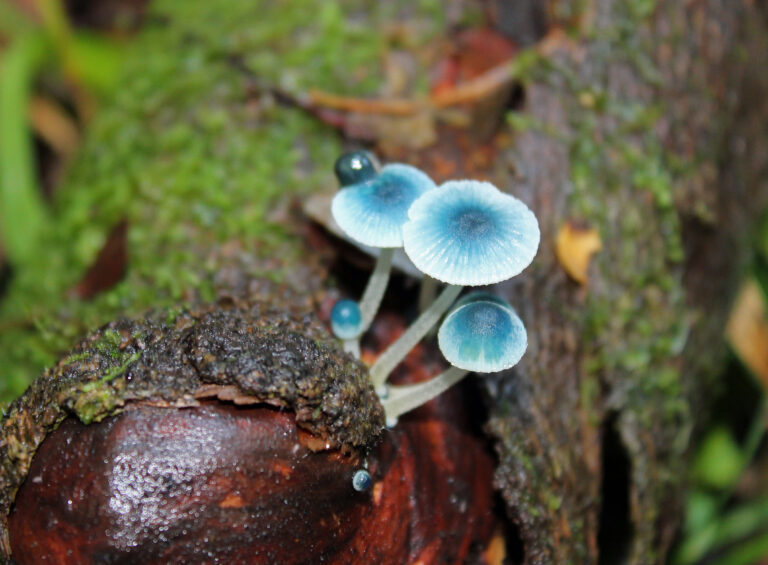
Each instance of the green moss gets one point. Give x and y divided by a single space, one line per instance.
634 325
194 159
96 400
636 322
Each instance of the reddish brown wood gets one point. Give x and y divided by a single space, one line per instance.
239 484
156 485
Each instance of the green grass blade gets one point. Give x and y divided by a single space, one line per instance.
22 212
747 553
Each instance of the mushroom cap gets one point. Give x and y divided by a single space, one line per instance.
373 212
355 167
483 336
470 233
318 207
346 319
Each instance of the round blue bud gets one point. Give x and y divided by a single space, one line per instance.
361 481
346 319
355 167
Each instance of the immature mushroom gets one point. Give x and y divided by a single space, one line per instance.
346 324
463 233
355 167
483 334
372 211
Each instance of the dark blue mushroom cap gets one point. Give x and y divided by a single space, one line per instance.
356 167
470 233
346 319
483 336
373 212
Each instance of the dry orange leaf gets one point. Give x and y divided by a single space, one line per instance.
747 330
574 247
496 552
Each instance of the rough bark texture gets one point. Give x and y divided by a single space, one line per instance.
640 121
644 104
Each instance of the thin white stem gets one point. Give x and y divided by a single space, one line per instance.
374 290
427 292
400 348
402 399
352 346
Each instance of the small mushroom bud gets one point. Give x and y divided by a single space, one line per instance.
355 167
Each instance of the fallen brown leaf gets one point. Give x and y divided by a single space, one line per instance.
52 123
496 552
574 247
747 330
109 266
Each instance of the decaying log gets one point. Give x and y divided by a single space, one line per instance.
639 120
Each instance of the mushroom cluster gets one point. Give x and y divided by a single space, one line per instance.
461 233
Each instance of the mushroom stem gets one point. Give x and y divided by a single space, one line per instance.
352 346
402 399
400 348
374 290
427 292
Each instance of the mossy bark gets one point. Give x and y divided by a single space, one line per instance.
646 102
640 120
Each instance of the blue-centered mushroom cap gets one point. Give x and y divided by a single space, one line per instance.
470 233
346 319
355 167
483 336
373 212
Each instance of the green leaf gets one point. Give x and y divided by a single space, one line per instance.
746 553
719 461
737 525
22 213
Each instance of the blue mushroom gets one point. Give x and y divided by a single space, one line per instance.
462 233
482 334
372 212
470 233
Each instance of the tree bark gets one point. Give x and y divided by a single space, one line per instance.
652 148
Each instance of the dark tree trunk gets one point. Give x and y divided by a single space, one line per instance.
658 121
